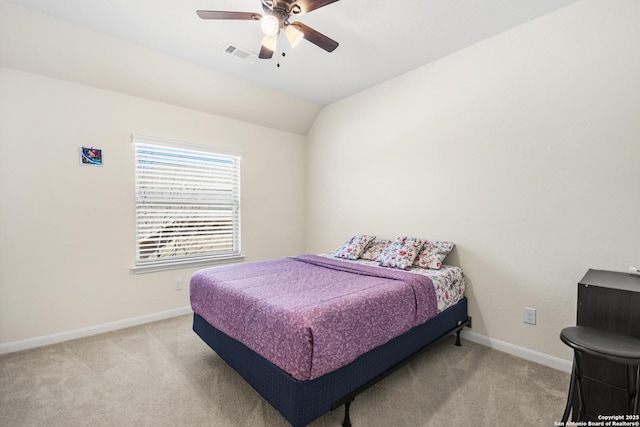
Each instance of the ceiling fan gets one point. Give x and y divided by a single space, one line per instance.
276 18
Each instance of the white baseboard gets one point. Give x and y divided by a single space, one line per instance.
522 352
91 330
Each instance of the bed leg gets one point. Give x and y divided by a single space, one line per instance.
347 421
458 338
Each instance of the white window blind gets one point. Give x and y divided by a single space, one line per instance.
187 204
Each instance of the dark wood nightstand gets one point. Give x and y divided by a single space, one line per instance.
611 301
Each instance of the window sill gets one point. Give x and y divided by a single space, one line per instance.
176 265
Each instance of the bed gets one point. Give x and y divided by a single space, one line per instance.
311 332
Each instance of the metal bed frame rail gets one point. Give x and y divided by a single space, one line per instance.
346 401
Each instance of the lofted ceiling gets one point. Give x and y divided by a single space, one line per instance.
378 39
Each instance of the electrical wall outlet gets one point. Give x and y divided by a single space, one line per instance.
177 284
634 270
529 315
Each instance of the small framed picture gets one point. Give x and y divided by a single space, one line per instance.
91 156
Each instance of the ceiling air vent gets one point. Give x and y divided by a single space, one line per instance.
240 53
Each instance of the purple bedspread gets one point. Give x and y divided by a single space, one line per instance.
310 315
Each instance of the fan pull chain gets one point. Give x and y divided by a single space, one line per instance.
283 55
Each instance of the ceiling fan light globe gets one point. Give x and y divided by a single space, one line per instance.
294 35
270 42
270 25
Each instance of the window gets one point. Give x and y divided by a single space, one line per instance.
187 204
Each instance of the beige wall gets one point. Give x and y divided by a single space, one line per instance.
523 150
37 43
67 231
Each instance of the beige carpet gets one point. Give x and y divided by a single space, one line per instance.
162 374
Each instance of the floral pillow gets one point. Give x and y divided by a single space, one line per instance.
354 247
375 249
432 254
401 253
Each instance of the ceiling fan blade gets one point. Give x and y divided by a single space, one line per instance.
316 38
307 6
265 53
214 14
